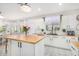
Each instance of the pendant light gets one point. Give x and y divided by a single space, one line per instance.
25 7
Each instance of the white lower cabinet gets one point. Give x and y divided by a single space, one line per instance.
72 39
53 51
58 41
16 48
33 49
39 48
63 48
75 50
27 49
13 48
8 48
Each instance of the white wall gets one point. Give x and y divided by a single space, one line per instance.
69 20
38 23
35 25
10 25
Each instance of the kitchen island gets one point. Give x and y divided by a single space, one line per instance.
35 45
24 45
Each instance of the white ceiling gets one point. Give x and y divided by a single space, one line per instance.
11 11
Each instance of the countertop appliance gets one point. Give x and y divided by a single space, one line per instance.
72 33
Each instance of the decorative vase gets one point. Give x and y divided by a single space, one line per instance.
25 33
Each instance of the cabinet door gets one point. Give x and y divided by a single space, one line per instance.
74 50
15 50
27 49
47 40
58 41
54 51
9 48
39 48
72 39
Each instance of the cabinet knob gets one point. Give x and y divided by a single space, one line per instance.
18 44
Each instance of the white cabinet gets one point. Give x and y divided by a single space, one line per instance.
47 40
8 48
56 46
16 48
39 48
67 21
75 50
72 39
55 51
27 49
58 41
33 49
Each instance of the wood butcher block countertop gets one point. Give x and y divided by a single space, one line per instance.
25 38
76 44
71 36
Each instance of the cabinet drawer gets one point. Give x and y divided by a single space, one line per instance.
58 41
72 39
53 51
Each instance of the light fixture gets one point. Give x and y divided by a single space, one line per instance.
1 17
39 9
60 4
25 7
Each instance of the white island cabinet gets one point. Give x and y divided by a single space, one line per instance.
13 48
15 51
20 48
32 49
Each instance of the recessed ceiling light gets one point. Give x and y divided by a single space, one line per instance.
39 9
60 4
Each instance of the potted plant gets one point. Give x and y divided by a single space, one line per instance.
25 29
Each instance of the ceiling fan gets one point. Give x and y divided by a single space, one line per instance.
25 7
